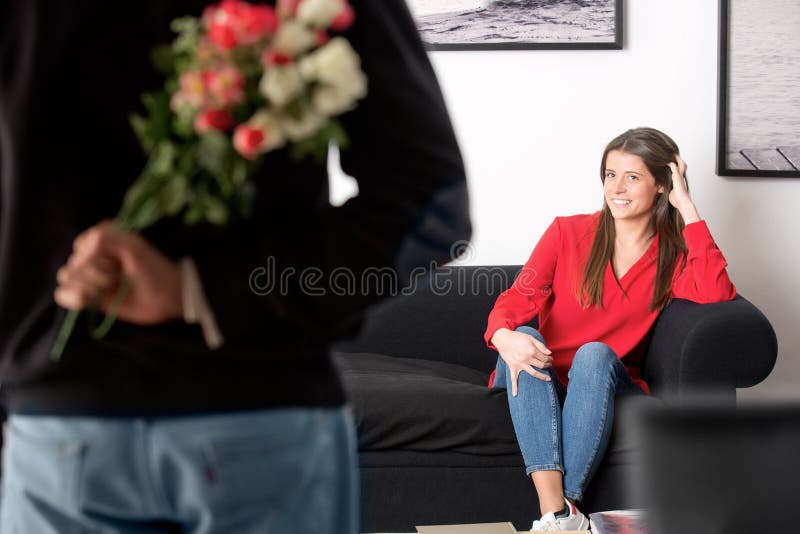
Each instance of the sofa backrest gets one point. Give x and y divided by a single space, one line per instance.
442 317
726 344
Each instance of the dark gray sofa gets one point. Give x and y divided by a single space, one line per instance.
437 446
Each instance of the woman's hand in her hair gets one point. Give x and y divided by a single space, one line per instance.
679 195
522 352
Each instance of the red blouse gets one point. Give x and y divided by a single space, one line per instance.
545 287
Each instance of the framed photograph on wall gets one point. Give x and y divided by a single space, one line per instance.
518 24
758 122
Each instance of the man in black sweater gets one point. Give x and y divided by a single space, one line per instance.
226 417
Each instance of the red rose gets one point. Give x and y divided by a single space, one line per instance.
257 22
247 140
223 36
233 22
344 19
221 21
213 119
271 57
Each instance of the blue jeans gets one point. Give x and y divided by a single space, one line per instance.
267 471
573 438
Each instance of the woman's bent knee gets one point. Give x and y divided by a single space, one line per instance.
531 332
594 358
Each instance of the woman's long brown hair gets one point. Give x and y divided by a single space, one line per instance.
657 150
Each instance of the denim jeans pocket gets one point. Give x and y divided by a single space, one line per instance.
253 468
43 465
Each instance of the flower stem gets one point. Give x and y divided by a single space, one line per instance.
100 331
63 335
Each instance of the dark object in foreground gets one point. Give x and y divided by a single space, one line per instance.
717 469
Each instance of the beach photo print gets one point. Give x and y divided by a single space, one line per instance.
518 24
758 124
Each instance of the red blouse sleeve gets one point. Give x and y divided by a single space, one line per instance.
523 300
704 278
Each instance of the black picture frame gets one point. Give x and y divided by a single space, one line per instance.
531 45
735 163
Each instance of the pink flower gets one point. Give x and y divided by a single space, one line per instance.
234 22
191 91
213 119
344 19
322 37
222 87
225 85
248 140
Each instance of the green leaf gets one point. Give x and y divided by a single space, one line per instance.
147 214
183 63
183 122
160 114
163 59
143 188
297 108
188 29
195 214
212 153
172 85
215 155
216 211
162 158
142 130
157 192
315 147
239 172
187 162
246 199
174 195
336 133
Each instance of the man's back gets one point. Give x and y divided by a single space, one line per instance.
71 76
251 436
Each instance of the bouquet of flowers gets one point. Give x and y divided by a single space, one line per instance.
242 80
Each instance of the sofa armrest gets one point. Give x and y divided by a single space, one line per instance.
720 346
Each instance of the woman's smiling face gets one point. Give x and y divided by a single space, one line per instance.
629 187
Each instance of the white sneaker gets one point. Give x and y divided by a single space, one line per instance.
550 523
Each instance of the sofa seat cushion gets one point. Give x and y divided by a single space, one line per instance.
455 460
423 405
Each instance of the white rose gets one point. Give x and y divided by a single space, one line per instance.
319 14
298 129
281 83
338 64
293 38
330 101
355 85
274 136
308 67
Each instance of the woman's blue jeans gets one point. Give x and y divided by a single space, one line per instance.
573 438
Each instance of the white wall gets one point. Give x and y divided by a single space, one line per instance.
533 124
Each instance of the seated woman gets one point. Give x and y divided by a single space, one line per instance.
597 283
